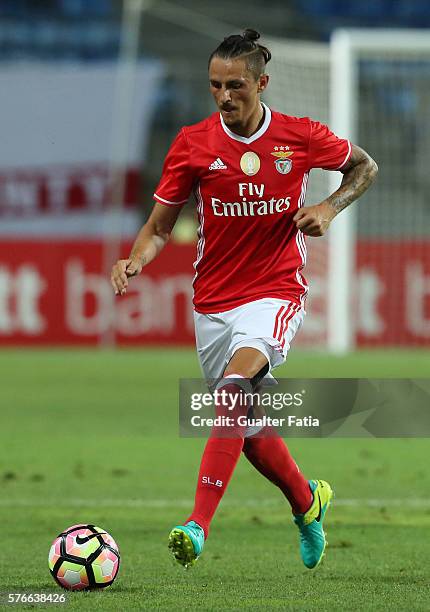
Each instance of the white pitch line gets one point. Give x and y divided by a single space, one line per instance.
185 503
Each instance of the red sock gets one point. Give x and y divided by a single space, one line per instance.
219 459
269 454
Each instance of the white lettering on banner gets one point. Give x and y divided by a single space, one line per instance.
80 285
54 191
137 313
19 196
95 187
58 186
370 322
417 295
20 293
370 287
169 289
6 291
148 307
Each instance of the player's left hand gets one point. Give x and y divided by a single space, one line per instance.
314 220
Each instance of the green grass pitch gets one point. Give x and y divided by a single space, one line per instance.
88 436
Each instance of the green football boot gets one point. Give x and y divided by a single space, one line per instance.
186 543
310 524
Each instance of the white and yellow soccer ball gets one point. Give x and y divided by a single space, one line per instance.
84 557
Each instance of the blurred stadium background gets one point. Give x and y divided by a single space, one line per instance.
92 95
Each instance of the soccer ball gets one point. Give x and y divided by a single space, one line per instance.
84 557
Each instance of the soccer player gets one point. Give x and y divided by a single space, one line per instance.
248 167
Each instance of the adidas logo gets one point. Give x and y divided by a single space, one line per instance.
218 164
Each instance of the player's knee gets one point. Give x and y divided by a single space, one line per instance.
247 362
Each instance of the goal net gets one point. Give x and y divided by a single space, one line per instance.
300 86
370 277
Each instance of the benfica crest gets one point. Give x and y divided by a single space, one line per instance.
282 162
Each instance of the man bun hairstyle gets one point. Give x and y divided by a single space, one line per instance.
246 47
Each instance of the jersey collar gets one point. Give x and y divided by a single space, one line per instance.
258 133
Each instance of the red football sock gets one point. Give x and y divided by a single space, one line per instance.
269 454
219 459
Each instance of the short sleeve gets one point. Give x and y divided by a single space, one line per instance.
176 180
326 150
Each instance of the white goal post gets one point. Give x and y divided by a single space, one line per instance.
347 48
373 87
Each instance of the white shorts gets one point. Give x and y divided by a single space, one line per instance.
268 325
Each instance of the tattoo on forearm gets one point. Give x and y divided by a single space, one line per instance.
354 183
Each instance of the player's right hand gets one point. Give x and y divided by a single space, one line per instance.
121 272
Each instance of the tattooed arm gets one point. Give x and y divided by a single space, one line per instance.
358 174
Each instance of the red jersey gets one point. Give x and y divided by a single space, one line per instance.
247 191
